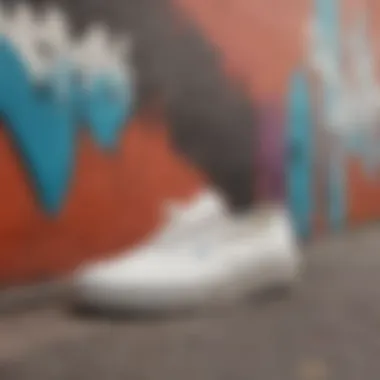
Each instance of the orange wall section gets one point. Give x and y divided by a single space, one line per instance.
363 193
115 198
261 41
114 201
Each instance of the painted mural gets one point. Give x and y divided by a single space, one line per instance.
340 75
104 119
319 65
109 110
51 86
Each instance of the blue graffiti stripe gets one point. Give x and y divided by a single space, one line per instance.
299 140
43 123
42 127
328 18
327 15
105 107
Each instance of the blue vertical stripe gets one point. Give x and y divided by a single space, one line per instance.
300 158
43 123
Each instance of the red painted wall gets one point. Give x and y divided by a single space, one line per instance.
115 198
114 202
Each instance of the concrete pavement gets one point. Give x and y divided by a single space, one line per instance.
329 328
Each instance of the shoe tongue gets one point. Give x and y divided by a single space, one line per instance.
205 205
178 218
201 206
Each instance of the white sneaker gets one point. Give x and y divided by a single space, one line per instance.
203 254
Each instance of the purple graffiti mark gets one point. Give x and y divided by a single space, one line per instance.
270 159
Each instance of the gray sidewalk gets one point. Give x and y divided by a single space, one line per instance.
329 328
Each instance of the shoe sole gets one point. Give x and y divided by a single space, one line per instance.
272 279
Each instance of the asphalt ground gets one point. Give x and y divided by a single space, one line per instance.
326 328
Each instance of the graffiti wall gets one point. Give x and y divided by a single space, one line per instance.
315 69
336 88
110 109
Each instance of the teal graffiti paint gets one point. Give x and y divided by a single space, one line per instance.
43 123
327 14
300 157
42 128
104 110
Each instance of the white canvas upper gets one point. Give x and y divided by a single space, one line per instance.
202 253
